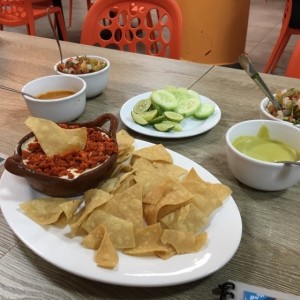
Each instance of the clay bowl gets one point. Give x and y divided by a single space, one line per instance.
60 187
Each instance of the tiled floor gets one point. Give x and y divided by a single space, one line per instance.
264 26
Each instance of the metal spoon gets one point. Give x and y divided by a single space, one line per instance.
55 34
16 91
250 70
289 162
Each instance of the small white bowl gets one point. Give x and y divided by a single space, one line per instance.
96 82
64 109
265 114
261 175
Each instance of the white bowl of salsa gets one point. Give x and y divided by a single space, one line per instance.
253 148
56 98
94 70
289 101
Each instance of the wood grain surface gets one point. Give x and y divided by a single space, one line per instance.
269 252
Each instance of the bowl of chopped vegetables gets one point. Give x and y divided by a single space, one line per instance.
94 70
289 101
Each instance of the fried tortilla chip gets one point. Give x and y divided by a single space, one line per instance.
120 231
207 196
130 205
175 195
153 186
114 184
106 256
201 240
183 242
188 218
56 140
147 241
154 153
124 140
166 254
94 238
167 169
96 198
48 210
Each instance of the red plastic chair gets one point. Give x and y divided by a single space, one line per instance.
89 3
15 13
293 67
290 25
150 27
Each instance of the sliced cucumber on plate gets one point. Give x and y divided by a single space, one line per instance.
165 109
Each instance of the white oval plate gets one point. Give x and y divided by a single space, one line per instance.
190 126
52 244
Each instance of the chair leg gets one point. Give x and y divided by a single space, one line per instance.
62 25
293 69
70 12
275 55
278 55
31 29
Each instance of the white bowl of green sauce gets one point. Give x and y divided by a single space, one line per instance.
255 146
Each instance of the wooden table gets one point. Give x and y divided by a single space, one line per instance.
269 252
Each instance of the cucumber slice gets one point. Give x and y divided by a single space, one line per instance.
193 94
180 93
188 107
204 111
164 99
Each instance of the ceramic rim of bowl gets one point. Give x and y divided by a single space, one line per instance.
87 74
57 99
265 111
257 161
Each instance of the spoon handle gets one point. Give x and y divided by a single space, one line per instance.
288 162
250 70
55 35
3 87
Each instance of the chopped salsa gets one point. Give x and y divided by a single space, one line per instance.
81 65
289 101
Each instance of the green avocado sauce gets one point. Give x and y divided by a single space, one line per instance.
261 147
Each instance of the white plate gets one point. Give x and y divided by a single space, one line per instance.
190 126
53 245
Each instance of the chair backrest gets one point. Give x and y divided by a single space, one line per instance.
151 27
16 12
